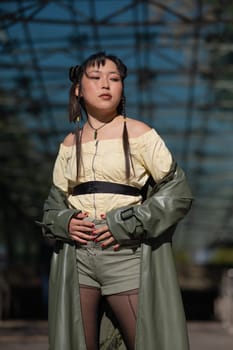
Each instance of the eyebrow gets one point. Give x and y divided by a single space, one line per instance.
98 71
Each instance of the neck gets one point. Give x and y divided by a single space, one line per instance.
96 124
96 121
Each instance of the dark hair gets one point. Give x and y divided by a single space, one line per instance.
77 106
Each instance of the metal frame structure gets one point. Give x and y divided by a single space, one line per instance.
179 55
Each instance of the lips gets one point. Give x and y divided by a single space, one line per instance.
105 96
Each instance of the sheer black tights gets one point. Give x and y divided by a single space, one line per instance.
124 307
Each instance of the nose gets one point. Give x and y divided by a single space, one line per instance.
105 82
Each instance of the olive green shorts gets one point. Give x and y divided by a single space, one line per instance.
111 271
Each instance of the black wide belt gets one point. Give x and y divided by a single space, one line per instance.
105 187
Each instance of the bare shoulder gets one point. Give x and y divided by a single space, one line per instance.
69 140
136 128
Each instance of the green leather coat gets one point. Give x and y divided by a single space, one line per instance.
161 323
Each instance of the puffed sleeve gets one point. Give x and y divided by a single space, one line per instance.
56 211
155 156
59 170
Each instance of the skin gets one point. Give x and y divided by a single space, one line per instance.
101 89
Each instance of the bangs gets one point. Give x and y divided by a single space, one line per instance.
96 61
100 58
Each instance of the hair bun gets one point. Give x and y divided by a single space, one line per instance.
74 73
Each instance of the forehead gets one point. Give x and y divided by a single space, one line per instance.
106 66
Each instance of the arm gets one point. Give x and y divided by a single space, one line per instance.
167 205
57 215
60 221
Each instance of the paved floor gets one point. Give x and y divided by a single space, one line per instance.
24 335
209 336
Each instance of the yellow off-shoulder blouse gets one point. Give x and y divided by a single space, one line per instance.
103 160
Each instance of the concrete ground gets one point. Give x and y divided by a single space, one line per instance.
26 335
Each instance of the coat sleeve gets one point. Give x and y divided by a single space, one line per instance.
167 204
56 215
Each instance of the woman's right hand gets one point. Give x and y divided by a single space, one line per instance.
80 230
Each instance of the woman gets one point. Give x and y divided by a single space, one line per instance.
113 206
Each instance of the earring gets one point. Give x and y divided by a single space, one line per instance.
77 119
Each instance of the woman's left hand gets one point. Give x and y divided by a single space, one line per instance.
104 234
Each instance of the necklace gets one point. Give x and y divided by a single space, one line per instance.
95 129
